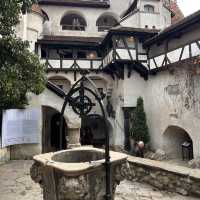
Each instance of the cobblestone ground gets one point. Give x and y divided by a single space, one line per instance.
16 184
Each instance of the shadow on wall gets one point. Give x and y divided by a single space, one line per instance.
173 139
51 130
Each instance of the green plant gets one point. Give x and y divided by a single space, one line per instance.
20 69
139 130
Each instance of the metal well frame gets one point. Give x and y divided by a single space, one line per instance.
82 105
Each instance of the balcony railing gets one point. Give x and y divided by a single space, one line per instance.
70 64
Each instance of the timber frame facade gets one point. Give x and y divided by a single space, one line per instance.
177 43
142 50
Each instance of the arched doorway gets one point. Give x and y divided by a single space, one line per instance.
93 130
51 130
55 133
173 139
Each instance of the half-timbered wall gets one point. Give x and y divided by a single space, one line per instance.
175 49
56 61
126 48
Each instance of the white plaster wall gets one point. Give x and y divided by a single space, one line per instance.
134 87
34 28
29 28
132 21
91 15
161 18
172 99
117 101
47 98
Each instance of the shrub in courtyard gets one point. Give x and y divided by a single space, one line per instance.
139 130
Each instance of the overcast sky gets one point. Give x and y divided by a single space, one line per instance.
189 6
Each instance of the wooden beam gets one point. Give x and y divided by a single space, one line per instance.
190 51
198 44
129 72
126 45
136 48
155 63
181 55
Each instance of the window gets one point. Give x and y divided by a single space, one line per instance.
43 53
92 55
149 8
67 54
73 21
130 41
106 22
81 54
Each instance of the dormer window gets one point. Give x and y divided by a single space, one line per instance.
105 22
73 21
149 9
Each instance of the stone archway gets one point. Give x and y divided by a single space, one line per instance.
93 130
173 138
50 130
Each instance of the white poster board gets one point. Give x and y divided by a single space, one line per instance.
20 126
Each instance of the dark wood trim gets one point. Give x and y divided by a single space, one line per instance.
176 48
181 26
77 3
136 47
142 60
182 50
142 54
164 61
126 45
155 63
190 50
198 44
169 61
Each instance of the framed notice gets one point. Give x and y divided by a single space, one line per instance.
20 126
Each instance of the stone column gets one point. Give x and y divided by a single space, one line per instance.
73 137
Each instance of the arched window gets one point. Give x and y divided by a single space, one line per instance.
73 21
149 8
106 22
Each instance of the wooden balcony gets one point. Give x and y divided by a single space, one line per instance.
71 65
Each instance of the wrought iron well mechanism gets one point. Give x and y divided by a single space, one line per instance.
82 105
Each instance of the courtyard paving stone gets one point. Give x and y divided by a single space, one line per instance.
16 184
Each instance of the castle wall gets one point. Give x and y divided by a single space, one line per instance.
91 15
172 99
49 99
4 154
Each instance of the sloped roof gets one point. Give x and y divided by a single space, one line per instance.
73 40
130 9
79 3
175 28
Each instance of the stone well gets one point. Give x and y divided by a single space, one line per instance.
77 174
